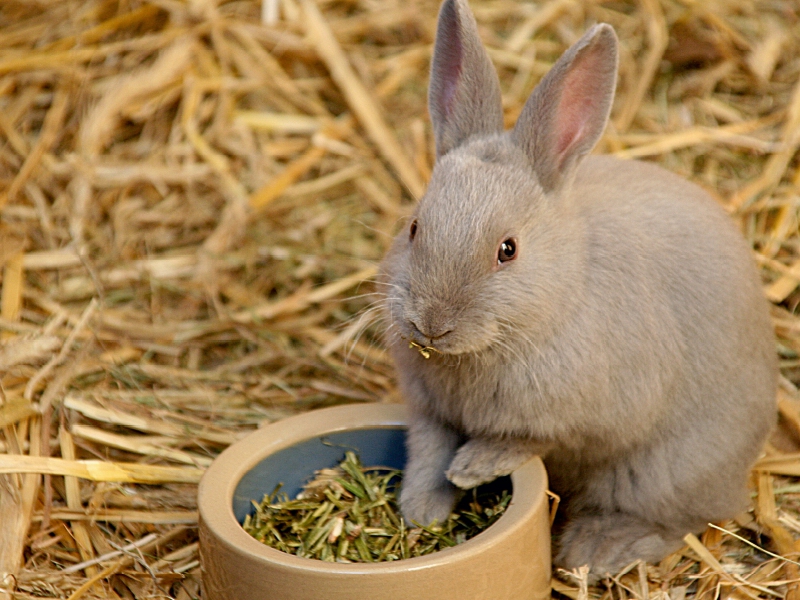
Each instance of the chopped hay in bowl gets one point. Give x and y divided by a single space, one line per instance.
350 514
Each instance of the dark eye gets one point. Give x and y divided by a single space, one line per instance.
508 251
412 230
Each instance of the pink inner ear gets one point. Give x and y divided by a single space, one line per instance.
577 107
568 138
448 58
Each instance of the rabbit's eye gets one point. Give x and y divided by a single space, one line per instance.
412 230
508 251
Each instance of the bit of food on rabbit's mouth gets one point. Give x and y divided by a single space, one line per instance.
425 351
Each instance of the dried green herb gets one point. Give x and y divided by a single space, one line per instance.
350 514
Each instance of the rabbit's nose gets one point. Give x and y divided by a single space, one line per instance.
430 331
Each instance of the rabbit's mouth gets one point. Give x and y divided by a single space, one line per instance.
445 346
433 333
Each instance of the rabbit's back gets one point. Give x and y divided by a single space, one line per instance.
656 240
679 251
671 279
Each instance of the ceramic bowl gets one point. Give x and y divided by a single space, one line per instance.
508 561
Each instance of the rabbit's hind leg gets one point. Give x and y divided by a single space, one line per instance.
611 541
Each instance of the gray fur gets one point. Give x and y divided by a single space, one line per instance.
629 343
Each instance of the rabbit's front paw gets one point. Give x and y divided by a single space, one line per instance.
423 506
473 464
483 460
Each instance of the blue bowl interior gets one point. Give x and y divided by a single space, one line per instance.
294 466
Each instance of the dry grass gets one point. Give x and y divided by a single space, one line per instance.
189 204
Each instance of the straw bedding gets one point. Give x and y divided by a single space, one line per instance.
192 205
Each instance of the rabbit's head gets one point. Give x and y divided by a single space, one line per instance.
492 250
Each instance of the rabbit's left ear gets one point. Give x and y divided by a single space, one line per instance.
568 111
464 92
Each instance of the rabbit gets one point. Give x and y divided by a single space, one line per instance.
602 313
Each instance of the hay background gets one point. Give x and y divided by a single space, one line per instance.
189 204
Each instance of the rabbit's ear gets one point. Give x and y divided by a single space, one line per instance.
568 111
464 93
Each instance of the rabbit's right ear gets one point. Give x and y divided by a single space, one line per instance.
568 111
464 92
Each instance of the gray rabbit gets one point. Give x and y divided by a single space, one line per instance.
604 314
